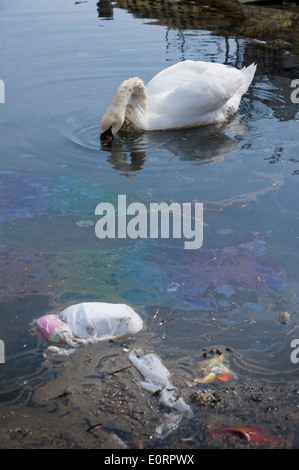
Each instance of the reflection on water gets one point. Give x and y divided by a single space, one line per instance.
105 9
207 145
225 17
53 174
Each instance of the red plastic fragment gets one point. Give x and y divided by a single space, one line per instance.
249 434
224 377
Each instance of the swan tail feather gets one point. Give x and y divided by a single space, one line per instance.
248 73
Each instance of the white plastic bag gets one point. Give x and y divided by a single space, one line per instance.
156 377
89 322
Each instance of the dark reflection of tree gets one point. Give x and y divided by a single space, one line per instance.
181 37
105 9
276 69
227 17
220 48
180 40
167 40
237 53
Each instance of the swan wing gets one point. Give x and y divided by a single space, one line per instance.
196 93
176 75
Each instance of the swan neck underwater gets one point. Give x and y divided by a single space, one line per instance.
184 95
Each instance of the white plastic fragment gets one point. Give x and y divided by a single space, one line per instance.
58 351
171 424
156 377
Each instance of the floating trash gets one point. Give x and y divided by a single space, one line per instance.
156 381
89 322
248 434
214 368
55 330
156 377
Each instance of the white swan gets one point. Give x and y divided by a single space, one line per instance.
187 94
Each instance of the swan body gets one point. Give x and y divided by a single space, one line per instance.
184 95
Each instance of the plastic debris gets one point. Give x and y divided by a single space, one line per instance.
156 381
172 422
249 434
89 322
97 321
58 351
214 368
54 329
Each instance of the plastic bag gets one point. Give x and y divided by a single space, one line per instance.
97 321
156 377
89 322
